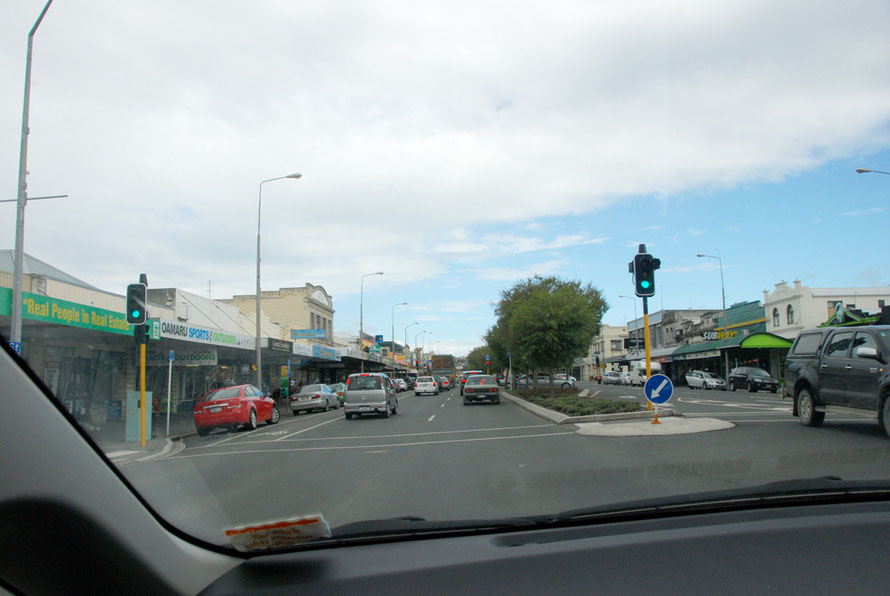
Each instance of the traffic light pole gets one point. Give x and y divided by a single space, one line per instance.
143 418
646 339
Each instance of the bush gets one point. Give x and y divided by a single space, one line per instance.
570 403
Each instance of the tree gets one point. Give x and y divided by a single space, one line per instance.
547 322
476 358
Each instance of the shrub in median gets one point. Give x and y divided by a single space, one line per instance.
573 405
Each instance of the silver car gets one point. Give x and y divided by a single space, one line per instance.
314 397
612 377
426 385
370 393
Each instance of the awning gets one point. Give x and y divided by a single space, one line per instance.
709 349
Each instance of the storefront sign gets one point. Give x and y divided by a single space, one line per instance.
278 345
374 357
308 333
711 335
325 353
206 357
52 310
302 349
699 355
203 335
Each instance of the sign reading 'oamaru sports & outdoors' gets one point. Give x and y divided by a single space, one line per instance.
52 310
216 337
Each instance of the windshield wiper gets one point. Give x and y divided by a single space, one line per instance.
418 526
822 489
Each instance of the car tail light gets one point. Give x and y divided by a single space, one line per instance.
317 396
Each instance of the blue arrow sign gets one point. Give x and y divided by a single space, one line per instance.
658 389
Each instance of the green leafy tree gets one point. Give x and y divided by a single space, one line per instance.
476 358
547 322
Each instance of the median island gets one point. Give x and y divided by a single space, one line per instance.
568 402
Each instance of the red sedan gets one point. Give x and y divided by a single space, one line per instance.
233 406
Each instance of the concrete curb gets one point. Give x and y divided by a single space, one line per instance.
560 418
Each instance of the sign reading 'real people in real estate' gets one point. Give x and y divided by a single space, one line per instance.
52 310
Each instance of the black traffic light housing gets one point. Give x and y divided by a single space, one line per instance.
643 268
136 310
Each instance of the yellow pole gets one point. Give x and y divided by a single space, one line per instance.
142 392
648 354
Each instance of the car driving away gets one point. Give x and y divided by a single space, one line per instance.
481 388
370 393
467 374
232 407
426 386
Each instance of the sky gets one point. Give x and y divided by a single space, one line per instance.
458 147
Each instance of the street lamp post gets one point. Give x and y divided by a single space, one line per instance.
867 171
420 361
361 317
723 295
259 350
15 332
392 346
406 331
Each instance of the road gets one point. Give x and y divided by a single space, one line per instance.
438 459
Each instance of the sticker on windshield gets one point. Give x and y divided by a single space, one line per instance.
278 534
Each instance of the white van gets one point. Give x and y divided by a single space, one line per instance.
638 371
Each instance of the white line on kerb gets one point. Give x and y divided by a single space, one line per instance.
430 419
310 428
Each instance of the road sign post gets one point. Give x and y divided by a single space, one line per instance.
658 390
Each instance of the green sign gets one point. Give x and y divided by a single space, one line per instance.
52 310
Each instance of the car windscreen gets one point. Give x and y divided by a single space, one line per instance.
425 380
757 372
364 383
310 389
481 380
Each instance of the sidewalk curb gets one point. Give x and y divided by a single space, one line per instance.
560 418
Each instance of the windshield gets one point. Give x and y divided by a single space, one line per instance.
594 199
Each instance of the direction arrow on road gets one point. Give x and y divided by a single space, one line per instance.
658 389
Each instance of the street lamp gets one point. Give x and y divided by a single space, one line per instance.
392 346
15 332
361 316
867 171
636 339
259 350
420 361
406 331
723 295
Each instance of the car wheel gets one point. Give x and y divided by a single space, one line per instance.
497 400
564 385
296 412
251 420
202 432
466 402
806 409
386 411
395 407
276 416
416 394
348 416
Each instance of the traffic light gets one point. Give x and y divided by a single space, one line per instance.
644 267
136 313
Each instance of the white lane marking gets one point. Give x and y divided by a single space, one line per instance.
430 419
397 435
261 431
595 393
310 428
353 447
442 406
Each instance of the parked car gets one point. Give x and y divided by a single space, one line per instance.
340 390
481 388
566 380
753 379
314 397
500 378
612 377
401 384
839 367
700 379
625 378
232 407
370 393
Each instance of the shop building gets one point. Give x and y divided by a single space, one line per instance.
609 343
791 309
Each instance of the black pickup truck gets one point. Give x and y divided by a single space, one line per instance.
840 366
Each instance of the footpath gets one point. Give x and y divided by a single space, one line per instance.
627 424
111 437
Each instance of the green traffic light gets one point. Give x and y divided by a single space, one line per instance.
135 314
644 284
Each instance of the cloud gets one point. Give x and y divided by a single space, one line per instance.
694 232
863 212
511 274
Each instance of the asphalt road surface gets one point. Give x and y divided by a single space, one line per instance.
438 459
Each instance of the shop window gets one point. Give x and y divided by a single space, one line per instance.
776 321
880 304
789 312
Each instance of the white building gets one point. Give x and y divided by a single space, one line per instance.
789 310
608 343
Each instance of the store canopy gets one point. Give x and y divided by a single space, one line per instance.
752 341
